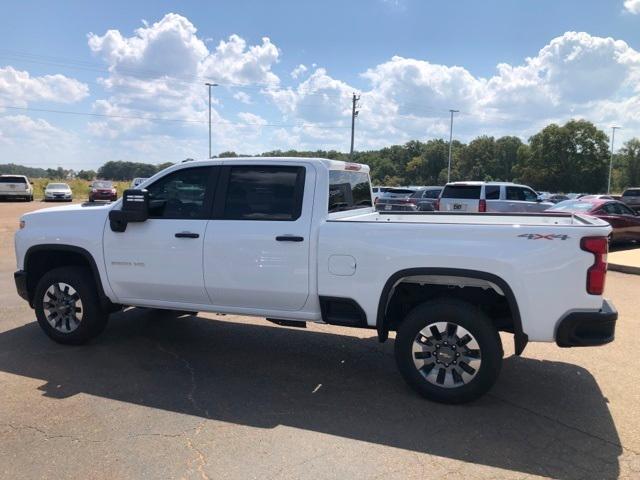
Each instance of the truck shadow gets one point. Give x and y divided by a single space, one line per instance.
542 418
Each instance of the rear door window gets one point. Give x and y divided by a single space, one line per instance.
467 192
264 193
492 192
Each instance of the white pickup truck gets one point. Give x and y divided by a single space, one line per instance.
297 240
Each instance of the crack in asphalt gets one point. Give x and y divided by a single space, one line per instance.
561 423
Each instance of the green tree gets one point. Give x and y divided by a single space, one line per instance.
572 157
86 174
628 161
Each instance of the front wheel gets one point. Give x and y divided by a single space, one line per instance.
68 307
448 351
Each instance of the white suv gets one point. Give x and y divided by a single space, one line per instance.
490 197
16 186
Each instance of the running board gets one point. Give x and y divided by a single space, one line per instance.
288 323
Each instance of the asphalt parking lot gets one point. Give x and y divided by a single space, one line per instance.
213 397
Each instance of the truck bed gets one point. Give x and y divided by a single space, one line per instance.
524 219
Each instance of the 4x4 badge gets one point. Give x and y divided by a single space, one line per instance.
539 236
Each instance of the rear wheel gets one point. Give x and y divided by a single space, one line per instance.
68 307
448 351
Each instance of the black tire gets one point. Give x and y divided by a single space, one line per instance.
477 324
94 317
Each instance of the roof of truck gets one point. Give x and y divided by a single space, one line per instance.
330 164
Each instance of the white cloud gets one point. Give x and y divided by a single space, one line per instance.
242 97
298 71
19 88
632 6
161 70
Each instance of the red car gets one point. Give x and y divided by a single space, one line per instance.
102 190
624 221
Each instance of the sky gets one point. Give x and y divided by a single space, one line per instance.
82 83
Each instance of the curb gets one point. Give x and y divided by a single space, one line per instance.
624 268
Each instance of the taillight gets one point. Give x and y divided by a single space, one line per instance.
596 274
375 201
482 206
436 204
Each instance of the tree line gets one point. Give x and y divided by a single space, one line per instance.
573 157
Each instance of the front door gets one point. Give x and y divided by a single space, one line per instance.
161 259
256 249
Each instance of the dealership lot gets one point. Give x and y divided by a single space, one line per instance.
161 396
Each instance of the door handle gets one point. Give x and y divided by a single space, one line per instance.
187 235
289 238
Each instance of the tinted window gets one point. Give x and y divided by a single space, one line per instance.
625 210
180 194
349 190
432 193
492 192
264 193
521 194
418 194
461 191
631 193
12 180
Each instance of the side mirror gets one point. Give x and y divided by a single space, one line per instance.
135 208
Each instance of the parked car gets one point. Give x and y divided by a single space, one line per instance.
396 200
557 198
631 196
272 242
490 197
102 190
425 198
58 191
624 221
16 186
137 181
377 191
598 197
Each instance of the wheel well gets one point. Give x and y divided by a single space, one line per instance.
407 289
42 259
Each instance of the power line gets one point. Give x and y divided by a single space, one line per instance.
177 120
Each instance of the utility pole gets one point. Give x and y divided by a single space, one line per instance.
354 114
210 85
613 136
450 140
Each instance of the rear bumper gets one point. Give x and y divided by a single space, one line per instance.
20 278
588 329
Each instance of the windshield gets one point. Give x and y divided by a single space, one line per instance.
61 186
572 206
631 193
102 184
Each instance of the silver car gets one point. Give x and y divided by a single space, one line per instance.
490 197
631 196
58 191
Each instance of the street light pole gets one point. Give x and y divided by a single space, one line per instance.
450 140
210 85
613 136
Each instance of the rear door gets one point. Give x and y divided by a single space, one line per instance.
256 249
460 198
